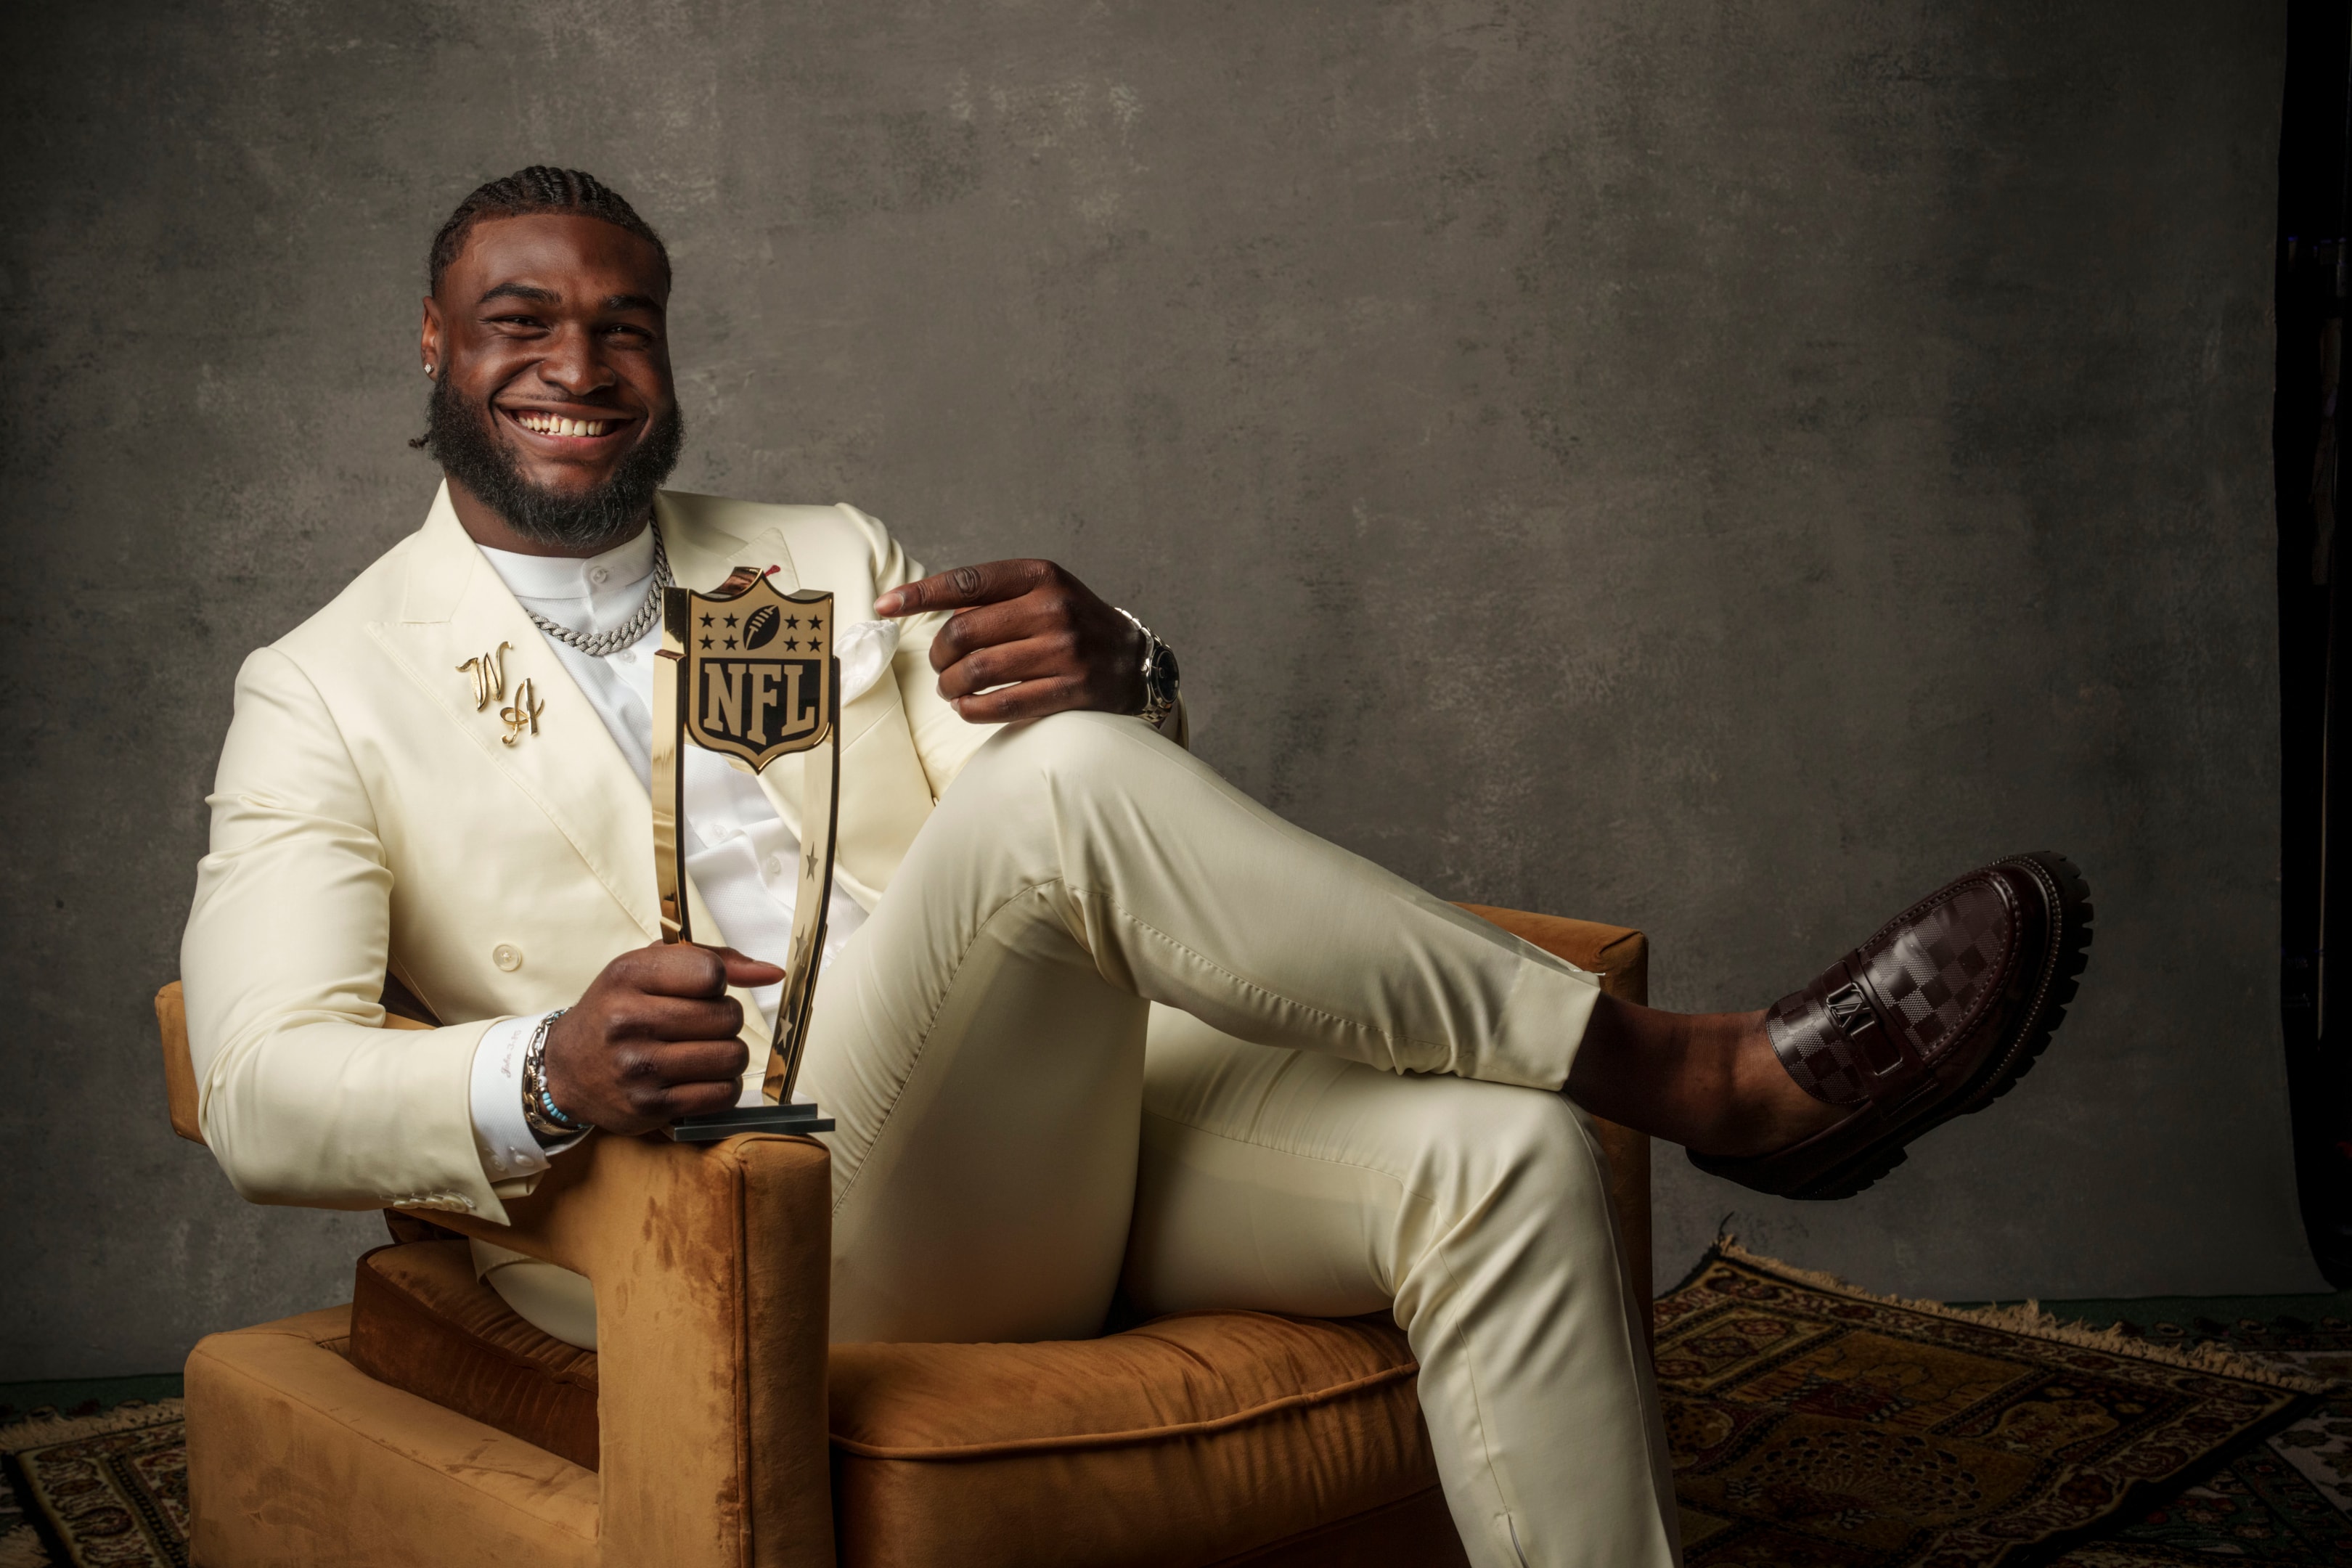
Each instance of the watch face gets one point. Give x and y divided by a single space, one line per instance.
1159 680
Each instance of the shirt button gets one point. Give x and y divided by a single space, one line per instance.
507 956
598 576
775 865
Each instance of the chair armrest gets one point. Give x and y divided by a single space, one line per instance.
712 1266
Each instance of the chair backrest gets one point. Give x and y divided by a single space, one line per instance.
179 1069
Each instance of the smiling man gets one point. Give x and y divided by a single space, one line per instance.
1091 1014
573 463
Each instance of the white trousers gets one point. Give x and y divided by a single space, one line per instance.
1116 1021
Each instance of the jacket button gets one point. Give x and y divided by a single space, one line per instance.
507 956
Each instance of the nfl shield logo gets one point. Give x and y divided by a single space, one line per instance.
757 675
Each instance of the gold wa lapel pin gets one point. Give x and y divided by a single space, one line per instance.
488 674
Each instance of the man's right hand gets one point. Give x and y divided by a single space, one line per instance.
655 1038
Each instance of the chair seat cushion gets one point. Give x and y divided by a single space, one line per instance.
1192 1440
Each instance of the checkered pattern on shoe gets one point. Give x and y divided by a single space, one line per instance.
1936 966
1933 968
1813 1048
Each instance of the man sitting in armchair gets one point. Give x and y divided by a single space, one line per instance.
1091 1017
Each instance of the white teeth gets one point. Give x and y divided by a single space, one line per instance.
555 424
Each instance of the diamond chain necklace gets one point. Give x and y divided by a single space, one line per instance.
626 633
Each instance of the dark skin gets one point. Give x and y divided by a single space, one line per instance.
562 318
556 317
548 317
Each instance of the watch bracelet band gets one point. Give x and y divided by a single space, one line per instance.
547 1121
1157 703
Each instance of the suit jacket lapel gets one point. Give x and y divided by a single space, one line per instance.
457 608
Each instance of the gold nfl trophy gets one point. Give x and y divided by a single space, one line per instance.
749 672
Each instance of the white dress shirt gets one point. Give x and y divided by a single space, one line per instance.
740 856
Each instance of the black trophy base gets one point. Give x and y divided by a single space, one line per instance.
748 1118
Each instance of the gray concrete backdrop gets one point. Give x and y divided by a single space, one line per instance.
1718 467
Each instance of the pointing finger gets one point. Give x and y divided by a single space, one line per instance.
962 587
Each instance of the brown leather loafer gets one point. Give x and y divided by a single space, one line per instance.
1936 1015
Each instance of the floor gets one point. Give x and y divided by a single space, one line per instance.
2288 1501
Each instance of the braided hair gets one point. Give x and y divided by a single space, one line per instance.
540 189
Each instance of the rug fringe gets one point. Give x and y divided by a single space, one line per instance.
2031 1321
44 1427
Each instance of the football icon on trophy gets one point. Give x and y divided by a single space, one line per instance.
760 626
751 672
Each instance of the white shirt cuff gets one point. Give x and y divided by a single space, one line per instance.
504 1141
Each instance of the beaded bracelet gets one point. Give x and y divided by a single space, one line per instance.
547 1121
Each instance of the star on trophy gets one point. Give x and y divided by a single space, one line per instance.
749 672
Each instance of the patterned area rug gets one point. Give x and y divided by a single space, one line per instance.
1815 1426
108 1490
2285 1503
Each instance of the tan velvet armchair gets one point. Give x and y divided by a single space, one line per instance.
714 1428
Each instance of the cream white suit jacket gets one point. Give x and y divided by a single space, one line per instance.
368 819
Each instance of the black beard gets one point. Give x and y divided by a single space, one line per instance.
461 436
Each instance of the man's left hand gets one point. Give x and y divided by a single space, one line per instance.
1027 639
